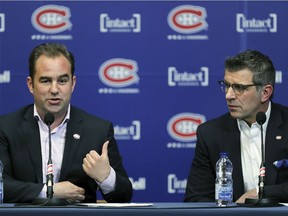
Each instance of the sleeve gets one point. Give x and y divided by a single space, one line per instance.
123 187
15 190
201 179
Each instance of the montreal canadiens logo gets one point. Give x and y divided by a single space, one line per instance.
183 126
119 72
187 19
51 19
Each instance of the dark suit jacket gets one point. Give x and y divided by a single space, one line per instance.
20 152
222 134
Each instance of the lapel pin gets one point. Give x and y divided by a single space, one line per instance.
76 136
278 137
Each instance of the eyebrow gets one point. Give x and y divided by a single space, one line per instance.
48 77
233 83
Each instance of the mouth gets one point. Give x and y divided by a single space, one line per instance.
54 101
232 107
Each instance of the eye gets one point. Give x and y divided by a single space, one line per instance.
239 87
45 81
63 80
227 85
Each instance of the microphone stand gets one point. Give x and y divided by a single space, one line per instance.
50 200
262 201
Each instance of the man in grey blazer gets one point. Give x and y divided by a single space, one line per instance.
248 85
85 155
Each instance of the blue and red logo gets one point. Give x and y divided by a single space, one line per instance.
119 72
183 126
51 19
187 19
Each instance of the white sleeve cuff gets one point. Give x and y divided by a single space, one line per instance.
108 185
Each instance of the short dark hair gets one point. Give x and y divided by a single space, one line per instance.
259 64
50 50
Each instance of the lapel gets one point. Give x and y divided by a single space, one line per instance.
233 147
74 128
32 138
273 150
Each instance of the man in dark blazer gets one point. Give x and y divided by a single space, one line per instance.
248 84
84 144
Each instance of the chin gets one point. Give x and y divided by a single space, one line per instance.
235 115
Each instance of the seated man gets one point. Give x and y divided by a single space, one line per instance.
85 155
248 86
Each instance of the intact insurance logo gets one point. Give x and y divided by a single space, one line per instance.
2 22
119 74
256 25
188 21
278 77
186 78
51 20
5 77
129 132
176 185
114 25
182 128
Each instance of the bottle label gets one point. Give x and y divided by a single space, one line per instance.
1 193
224 192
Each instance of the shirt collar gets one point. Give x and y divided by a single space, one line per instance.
37 116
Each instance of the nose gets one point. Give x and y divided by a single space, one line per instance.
54 87
230 94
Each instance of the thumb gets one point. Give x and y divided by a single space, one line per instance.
105 148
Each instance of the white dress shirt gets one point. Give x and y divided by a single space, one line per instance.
251 153
58 136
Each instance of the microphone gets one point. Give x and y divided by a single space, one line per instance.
50 200
262 201
49 119
261 119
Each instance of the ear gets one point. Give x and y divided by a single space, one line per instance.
73 82
30 84
267 92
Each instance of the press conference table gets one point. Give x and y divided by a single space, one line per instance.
157 209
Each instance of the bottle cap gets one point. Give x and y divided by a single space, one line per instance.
222 154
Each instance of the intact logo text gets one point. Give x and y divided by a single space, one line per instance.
176 185
5 77
108 24
2 22
130 132
176 78
255 25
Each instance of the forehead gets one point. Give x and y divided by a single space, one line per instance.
50 66
241 76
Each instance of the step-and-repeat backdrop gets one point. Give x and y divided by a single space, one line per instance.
151 67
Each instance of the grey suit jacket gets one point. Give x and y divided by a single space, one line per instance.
222 134
20 152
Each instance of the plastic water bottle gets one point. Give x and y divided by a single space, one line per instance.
1 184
224 182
